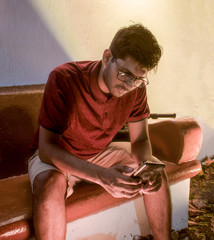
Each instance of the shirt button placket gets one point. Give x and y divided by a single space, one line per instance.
105 115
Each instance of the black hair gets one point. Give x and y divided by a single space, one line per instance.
139 43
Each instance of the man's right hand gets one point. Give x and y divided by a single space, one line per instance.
116 181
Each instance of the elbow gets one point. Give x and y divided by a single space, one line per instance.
48 142
43 154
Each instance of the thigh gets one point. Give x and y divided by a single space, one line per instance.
115 153
36 166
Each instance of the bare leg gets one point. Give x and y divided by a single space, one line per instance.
158 208
49 213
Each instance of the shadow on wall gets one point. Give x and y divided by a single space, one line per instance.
16 132
29 51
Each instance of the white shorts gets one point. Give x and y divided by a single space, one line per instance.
115 153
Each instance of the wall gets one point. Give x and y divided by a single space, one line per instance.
37 35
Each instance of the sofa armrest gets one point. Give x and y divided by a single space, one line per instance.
177 141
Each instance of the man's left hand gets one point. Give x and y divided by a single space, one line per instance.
151 183
152 178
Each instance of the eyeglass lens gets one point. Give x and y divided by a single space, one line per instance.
130 79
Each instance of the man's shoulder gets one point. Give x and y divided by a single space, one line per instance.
74 67
70 74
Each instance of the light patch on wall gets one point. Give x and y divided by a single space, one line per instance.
55 16
185 30
204 109
185 71
69 22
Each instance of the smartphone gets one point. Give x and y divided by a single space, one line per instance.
148 166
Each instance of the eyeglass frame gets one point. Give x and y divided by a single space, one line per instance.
144 80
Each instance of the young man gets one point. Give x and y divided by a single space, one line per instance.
84 105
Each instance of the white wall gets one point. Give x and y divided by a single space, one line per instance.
37 35
28 50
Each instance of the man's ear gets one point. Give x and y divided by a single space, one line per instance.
106 56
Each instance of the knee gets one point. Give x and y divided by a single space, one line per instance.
165 182
49 185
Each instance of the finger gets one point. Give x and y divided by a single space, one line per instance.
129 189
133 188
155 185
131 181
123 169
154 179
149 189
152 186
129 195
154 190
146 176
124 193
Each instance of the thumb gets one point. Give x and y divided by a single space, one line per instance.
122 168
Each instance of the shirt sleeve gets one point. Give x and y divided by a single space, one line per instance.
140 108
56 103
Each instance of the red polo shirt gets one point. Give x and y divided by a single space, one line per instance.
74 106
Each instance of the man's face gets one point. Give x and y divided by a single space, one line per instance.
127 66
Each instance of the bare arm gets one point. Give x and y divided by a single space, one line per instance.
50 152
140 142
112 179
142 151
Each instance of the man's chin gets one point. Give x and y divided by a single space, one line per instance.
117 94
118 91
121 92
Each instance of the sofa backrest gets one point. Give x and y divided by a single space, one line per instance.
19 107
177 140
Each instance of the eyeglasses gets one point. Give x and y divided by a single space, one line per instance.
129 79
